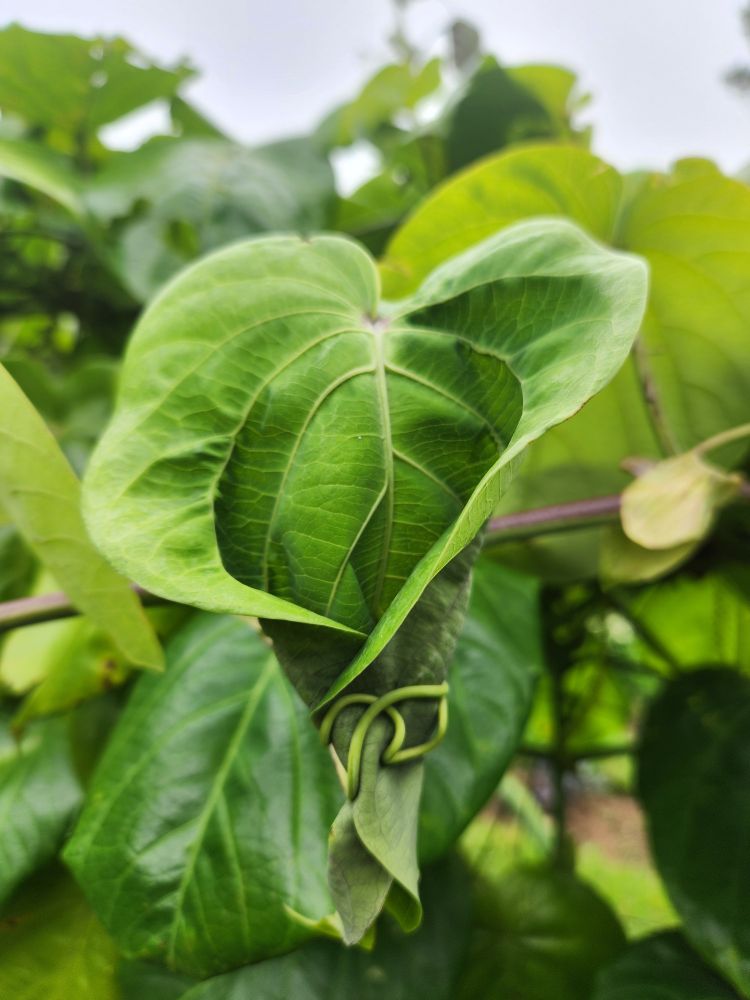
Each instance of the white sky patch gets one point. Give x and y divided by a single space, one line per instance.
655 67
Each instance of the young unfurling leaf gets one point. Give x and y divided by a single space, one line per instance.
288 446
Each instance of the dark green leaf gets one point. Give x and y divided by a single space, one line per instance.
492 681
39 794
203 840
538 934
496 111
661 967
195 194
420 966
17 565
694 776
145 981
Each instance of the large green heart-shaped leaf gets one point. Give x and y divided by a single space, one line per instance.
203 839
287 446
694 777
277 428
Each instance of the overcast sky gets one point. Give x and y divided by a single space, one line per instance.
270 68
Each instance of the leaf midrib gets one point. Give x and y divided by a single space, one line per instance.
204 818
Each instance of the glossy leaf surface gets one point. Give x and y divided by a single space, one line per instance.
420 966
205 831
39 794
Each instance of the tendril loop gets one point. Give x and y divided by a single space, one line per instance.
395 752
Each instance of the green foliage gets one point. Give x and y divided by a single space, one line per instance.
52 945
172 200
211 483
39 794
316 438
191 845
538 933
658 967
492 681
693 782
72 86
41 494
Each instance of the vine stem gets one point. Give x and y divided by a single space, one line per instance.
553 519
53 607
557 517
725 437
577 756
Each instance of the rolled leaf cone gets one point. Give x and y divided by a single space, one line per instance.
287 446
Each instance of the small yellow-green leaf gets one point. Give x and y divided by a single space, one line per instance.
41 494
674 502
624 561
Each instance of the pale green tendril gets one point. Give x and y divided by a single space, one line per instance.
395 752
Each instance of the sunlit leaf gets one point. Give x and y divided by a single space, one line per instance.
675 501
519 184
41 494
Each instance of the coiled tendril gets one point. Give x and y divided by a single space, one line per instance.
395 752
